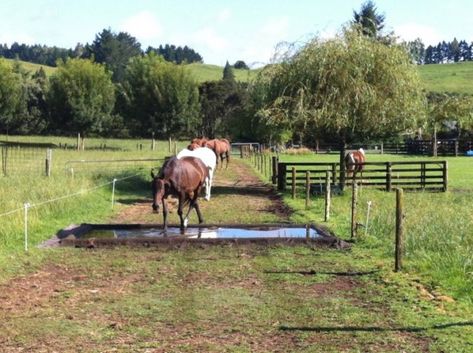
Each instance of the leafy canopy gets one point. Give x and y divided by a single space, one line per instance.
81 97
352 87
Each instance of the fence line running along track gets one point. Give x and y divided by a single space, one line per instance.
416 175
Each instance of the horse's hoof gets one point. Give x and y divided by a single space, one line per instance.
207 198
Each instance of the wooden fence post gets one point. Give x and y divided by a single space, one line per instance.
293 182
274 165
5 160
445 175
388 176
169 145
334 173
307 189
327 196
422 175
282 170
48 160
354 202
399 231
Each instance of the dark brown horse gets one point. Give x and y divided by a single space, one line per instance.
354 162
221 149
182 178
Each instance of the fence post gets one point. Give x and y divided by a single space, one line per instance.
422 175
293 182
399 231
169 145
48 161
274 165
327 196
175 148
78 141
354 202
307 189
4 160
334 173
382 148
113 192
282 170
445 175
26 205
388 176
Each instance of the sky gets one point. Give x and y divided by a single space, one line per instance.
221 30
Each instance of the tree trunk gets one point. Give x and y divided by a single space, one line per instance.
434 142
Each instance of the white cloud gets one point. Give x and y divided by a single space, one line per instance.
143 25
207 37
224 15
261 47
411 31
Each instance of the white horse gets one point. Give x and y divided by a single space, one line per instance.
207 156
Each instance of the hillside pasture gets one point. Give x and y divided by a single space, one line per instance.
453 78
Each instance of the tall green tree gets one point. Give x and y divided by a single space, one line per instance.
350 87
228 74
159 97
114 50
444 108
369 19
10 95
81 98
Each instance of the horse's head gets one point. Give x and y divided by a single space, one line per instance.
158 187
193 146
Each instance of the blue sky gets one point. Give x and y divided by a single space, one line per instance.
222 30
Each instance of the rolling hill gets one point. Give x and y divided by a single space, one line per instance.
455 78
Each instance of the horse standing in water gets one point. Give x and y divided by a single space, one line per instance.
182 178
207 156
221 149
354 162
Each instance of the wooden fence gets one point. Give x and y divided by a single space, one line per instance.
416 175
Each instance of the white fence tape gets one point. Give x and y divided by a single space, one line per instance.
27 206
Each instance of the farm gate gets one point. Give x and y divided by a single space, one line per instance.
412 175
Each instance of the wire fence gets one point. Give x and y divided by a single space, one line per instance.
17 160
28 206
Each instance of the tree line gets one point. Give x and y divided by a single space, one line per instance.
442 53
122 41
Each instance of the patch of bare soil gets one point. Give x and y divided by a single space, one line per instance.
239 178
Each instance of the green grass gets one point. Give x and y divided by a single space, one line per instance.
49 70
438 237
455 78
221 299
206 72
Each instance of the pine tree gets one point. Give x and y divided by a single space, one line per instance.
228 74
370 21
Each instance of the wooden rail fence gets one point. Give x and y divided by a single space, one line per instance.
415 175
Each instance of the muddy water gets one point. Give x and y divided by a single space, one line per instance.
214 232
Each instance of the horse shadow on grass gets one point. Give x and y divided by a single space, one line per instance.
411 329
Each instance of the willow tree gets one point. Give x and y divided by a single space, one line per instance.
351 87
444 108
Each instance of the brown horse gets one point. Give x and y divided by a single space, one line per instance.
199 141
354 162
221 149
182 178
